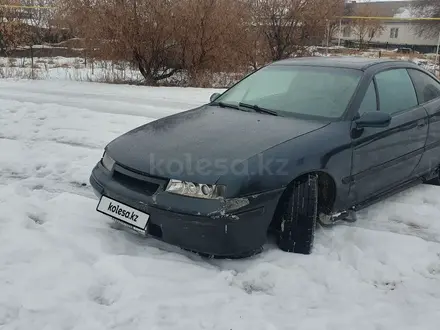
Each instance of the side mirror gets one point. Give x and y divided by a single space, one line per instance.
375 119
214 97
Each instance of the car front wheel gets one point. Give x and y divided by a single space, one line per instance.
299 218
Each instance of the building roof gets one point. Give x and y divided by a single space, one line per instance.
360 63
397 9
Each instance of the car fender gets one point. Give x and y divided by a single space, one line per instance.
327 150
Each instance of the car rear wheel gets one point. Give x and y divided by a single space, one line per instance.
436 180
299 218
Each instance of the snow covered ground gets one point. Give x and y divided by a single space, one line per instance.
66 68
78 69
64 266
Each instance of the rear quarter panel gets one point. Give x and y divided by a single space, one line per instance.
431 156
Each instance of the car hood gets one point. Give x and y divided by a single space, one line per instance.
201 145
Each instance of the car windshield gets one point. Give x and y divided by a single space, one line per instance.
300 91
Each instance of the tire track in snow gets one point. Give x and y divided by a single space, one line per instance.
52 187
76 127
110 107
407 213
147 104
59 141
43 165
401 229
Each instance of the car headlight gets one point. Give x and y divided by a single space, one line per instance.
195 189
108 162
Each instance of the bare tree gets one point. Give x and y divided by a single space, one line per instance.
366 29
289 25
321 20
141 31
13 32
346 10
160 37
280 22
252 46
428 8
40 17
207 35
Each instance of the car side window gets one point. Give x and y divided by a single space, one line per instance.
427 88
369 103
396 91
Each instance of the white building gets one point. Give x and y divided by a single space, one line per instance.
396 32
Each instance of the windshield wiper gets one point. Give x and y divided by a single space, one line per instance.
228 105
258 109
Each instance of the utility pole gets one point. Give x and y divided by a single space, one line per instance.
340 32
327 35
437 53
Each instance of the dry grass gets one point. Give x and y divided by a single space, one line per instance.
64 66
15 73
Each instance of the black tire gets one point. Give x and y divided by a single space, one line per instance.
298 222
435 181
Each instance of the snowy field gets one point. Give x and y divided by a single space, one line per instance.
64 267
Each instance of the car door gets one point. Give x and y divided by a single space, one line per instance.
428 93
385 157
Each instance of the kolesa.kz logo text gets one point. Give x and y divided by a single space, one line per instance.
119 211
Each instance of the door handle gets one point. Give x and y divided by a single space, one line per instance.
421 123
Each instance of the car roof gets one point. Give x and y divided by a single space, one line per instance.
349 62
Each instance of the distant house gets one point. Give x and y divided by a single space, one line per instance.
396 33
13 13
